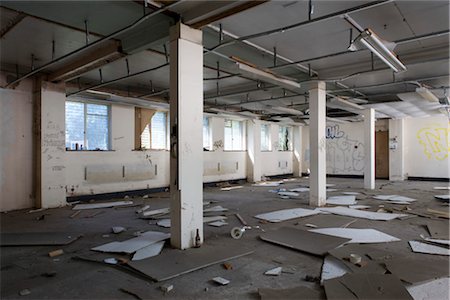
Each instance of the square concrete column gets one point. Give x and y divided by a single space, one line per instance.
396 150
49 143
254 150
297 151
317 144
369 148
186 146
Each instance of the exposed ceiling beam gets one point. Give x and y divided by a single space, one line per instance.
12 23
89 61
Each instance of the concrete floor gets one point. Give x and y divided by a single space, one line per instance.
23 267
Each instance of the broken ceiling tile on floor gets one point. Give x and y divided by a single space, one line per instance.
442 188
221 280
345 211
436 241
218 223
213 219
433 290
274 272
149 251
230 188
300 189
360 206
420 247
342 200
351 193
438 229
287 214
101 205
288 194
163 223
216 208
322 220
413 270
442 197
154 213
332 268
394 198
134 244
356 235
37 238
344 253
268 183
302 240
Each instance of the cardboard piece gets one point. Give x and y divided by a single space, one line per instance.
360 236
413 270
342 200
287 214
301 240
300 292
436 289
420 247
37 239
101 205
322 221
345 211
173 263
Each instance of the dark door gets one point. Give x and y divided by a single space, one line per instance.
382 154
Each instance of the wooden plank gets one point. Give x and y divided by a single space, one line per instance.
37 238
173 263
305 241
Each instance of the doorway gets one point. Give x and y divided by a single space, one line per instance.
382 154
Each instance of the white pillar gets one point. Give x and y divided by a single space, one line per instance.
297 151
317 144
396 150
369 148
50 100
254 150
186 121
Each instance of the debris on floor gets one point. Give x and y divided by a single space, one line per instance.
356 235
166 287
332 268
148 251
221 281
442 197
436 289
342 200
142 209
268 183
230 188
216 208
287 214
322 221
24 292
413 270
117 229
300 190
227 266
55 253
102 205
274 272
360 206
420 247
218 223
37 239
148 214
345 211
300 292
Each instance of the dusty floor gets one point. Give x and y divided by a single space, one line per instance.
25 267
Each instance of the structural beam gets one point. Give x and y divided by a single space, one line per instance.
317 144
369 148
12 23
186 136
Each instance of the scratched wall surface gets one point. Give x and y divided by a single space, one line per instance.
16 142
427 147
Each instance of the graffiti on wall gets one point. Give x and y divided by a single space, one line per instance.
435 141
333 132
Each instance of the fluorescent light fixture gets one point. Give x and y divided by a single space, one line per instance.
427 94
340 103
286 110
269 77
380 48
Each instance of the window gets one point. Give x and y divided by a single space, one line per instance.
284 139
87 126
154 135
265 137
206 134
234 135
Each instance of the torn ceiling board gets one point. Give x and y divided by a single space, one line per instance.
413 270
101 205
167 223
268 183
438 229
37 238
360 206
394 198
351 193
433 290
321 221
442 197
173 263
301 240
420 247
436 241
442 188
289 194
300 292
345 211
335 290
366 266
342 200
332 268
230 188
375 286
163 223
300 189
216 208
287 214
218 223
134 244
149 251
156 212
356 235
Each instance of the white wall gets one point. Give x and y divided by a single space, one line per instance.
427 147
16 146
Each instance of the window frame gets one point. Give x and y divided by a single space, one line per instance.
85 103
166 131
268 137
289 137
242 136
210 146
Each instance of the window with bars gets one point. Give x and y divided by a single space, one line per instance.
87 126
265 138
206 134
284 139
234 135
154 136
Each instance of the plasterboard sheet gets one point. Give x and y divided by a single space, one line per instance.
329 220
268 183
289 194
434 290
164 223
442 188
345 211
216 208
375 286
335 290
230 188
413 270
302 240
342 200
149 251
442 197
369 266
351 193
101 205
300 189
213 218
300 292
394 198
332 190
358 206
173 263
134 244
420 247
437 241
37 238
330 184
438 229
218 223
356 235
332 268
152 213
287 214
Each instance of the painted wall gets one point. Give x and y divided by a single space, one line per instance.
16 147
427 147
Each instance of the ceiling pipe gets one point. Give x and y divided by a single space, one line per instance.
93 44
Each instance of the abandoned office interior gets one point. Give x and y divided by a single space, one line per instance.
224 149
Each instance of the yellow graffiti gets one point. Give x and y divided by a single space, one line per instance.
435 140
